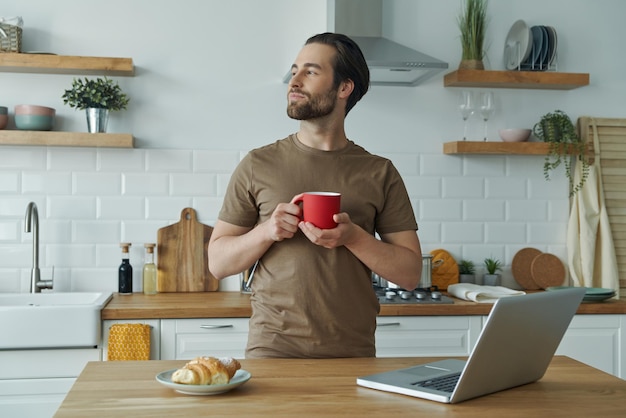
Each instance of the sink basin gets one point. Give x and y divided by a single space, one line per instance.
51 320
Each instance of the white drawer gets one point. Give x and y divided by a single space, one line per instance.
185 339
402 336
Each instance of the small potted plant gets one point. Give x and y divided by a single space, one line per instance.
97 97
492 278
467 272
557 129
472 24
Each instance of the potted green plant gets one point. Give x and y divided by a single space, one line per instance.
467 271
472 23
492 278
97 97
557 129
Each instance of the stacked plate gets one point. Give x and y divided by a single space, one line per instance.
530 48
592 294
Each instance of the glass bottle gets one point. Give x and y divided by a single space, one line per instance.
149 271
125 272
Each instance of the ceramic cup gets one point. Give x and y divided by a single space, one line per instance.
319 208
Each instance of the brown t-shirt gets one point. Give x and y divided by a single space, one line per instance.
310 301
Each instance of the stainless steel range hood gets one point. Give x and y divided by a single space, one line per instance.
390 63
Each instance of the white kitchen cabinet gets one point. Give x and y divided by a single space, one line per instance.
184 339
33 383
155 335
402 336
599 341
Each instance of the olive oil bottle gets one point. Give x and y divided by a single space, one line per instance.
149 271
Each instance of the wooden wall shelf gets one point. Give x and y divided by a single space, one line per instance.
66 139
501 148
546 80
65 64
515 148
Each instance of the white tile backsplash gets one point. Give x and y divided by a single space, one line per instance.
48 183
215 161
185 184
89 200
168 160
9 183
72 159
144 184
99 184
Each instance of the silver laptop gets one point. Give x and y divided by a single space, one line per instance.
515 347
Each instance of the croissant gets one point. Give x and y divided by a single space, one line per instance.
207 371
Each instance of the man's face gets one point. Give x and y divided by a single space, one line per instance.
311 94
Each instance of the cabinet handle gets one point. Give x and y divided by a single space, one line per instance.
215 326
388 324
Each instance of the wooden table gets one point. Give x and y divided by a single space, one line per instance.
301 388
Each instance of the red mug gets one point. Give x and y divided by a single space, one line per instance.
318 208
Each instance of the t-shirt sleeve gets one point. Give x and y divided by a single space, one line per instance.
239 207
397 214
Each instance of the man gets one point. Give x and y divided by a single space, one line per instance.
312 292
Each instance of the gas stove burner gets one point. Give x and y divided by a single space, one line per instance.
418 296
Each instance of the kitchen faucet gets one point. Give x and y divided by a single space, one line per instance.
31 223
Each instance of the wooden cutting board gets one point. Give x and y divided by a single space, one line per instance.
445 270
183 261
548 270
520 267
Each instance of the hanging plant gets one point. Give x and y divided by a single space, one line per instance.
557 129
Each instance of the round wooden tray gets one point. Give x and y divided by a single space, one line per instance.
548 270
520 267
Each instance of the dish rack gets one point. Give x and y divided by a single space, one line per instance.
10 38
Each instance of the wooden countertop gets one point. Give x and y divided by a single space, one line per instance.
237 305
303 388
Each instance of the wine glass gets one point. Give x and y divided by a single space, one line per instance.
487 108
467 108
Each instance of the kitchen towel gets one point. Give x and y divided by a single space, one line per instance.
590 250
481 294
129 342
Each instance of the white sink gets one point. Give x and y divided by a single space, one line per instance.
51 320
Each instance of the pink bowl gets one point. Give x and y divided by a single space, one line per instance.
514 135
34 110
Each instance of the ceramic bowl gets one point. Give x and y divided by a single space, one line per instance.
4 117
34 122
34 110
514 135
34 118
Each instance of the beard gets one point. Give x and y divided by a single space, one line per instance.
317 106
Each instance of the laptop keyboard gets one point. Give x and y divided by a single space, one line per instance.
443 383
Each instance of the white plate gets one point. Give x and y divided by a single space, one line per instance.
240 377
518 34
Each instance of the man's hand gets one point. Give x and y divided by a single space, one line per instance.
283 224
330 238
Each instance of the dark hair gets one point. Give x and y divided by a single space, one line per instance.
349 64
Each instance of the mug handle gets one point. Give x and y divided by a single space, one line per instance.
297 199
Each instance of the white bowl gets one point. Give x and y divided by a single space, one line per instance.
514 135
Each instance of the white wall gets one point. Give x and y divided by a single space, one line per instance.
208 88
